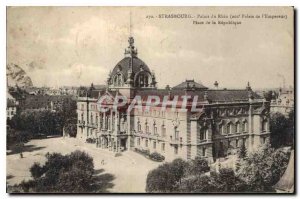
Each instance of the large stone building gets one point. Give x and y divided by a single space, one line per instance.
225 118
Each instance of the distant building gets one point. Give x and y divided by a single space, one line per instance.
227 118
283 102
11 107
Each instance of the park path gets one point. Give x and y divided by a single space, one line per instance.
129 170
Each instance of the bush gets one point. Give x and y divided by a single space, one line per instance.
166 178
36 170
91 140
71 173
157 157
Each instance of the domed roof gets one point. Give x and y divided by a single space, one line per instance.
130 63
125 65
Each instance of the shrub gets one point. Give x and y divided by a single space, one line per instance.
91 140
36 170
157 157
71 173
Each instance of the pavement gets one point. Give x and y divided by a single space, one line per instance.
129 170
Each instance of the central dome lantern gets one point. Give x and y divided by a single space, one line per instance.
131 72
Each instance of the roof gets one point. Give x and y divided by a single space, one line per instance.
212 95
190 84
124 65
11 103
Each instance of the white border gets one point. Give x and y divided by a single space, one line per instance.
5 3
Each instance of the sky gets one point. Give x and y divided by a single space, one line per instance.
59 46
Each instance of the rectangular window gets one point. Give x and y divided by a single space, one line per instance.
204 152
163 146
138 142
163 131
146 143
154 145
237 143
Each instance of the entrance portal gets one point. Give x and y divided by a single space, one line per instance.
123 144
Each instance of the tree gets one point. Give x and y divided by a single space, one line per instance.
224 181
282 129
198 166
195 184
263 168
161 180
62 173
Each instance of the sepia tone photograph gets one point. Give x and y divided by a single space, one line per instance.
150 100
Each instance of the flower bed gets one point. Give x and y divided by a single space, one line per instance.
153 156
91 140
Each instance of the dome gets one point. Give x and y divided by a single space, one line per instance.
124 66
131 71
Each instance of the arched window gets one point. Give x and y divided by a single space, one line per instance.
139 127
118 80
228 128
245 126
221 129
142 80
154 129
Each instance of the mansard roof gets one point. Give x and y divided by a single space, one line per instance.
190 84
211 95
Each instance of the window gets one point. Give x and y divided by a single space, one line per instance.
245 126
118 80
237 128
176 150
147 128
264 140
146 143
154 145
138 141
163 131
163 146
236 143
203 152
264 125
228 128
154 129
221 129
176 134
202 134
92 119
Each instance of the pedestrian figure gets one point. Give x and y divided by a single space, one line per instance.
21 155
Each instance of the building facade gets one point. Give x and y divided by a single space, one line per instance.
224 121
283 102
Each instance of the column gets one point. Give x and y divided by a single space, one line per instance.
104 120
111 120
